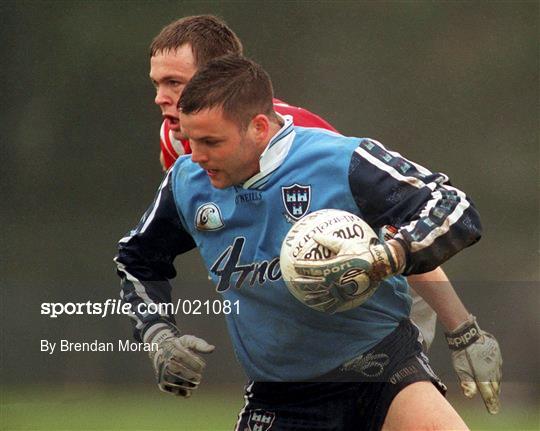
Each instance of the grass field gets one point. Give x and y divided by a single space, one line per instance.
143 408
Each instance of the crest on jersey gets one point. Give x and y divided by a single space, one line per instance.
208 217
260 420
296 199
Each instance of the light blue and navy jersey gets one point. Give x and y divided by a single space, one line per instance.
239 231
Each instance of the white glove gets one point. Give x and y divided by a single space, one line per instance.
351 276
177 365
477 359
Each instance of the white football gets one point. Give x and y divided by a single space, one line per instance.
299 244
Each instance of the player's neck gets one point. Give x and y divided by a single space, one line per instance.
273 128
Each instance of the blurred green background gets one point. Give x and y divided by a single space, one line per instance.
451 85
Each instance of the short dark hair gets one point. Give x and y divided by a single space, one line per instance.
238 85
208 35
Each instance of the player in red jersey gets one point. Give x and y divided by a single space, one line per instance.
175 55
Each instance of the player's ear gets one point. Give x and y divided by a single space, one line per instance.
259 126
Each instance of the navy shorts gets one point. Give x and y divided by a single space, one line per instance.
356 396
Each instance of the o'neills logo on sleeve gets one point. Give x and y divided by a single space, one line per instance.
208 217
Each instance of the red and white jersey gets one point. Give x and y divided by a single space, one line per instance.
172 148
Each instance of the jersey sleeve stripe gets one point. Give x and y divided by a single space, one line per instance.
134 292
365 151
452 218
155 206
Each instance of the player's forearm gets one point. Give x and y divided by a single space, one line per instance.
146 255
438 292
434 220
447 223
139 294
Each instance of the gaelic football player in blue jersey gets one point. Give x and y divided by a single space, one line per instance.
308 370
176 54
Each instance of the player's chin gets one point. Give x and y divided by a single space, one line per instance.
219 183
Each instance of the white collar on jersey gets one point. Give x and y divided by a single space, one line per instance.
274 154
